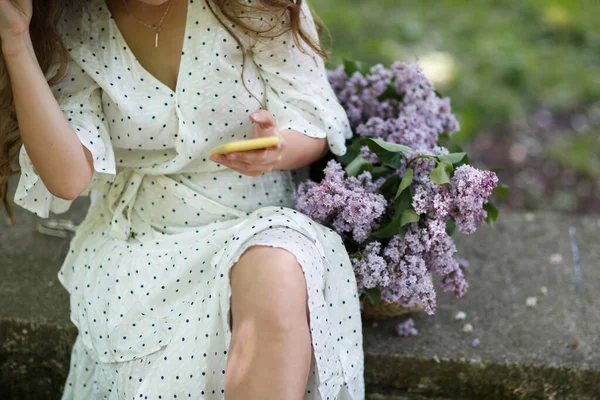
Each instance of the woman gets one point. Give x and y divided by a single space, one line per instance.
191 276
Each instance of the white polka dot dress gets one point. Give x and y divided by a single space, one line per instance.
147 270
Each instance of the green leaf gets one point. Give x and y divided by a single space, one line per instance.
441 174
497 170
390 93
353 150
357 166
390 229
445 140
406 181
403 202
388 153
464 161
374 296
409 216
452 158
352 66
380 170
492 213
388 146
501 190
450 226
390 186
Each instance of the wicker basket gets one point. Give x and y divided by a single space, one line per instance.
386 310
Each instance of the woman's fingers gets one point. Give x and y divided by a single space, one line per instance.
243 167
255 162
264 121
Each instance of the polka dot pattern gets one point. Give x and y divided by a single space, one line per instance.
147 270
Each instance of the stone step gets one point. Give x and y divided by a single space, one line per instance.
525 353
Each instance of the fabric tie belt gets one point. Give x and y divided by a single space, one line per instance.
121 196
125 189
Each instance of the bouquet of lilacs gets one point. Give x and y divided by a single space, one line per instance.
402 189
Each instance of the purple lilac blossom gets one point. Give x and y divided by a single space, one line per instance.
349 205
401 268
416 120
360 94
407 328
370 268
472 188
455 282
462 199
411 285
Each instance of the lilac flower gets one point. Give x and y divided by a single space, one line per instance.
462 199
472 188
462 263
440 257
476 342
370 268
433 199
412 285
455 282
399 105
420 113
349 205
407 328
418 92
338 78
359 94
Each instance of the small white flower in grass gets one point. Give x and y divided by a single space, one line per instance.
460 316
529 217
555 259
531 301
544 290
468 328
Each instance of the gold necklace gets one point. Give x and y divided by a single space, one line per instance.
155 27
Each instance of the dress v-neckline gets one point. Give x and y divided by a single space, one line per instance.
119 35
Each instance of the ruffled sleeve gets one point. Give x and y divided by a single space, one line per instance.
298 92
79 97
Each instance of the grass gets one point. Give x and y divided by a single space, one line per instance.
500 58
579 153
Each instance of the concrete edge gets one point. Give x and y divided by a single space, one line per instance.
34 360
465 379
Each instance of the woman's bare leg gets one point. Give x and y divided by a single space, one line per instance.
270 352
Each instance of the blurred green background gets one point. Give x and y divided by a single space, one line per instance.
524 78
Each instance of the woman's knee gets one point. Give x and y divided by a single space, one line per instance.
269 292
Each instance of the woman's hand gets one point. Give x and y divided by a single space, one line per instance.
255 162
15 17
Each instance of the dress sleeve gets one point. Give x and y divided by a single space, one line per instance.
298 92
79 97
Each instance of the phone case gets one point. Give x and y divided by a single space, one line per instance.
245 145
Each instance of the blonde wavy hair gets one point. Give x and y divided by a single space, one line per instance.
48 47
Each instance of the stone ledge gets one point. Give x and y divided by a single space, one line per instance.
525 353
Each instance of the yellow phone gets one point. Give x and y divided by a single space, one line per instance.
246 145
